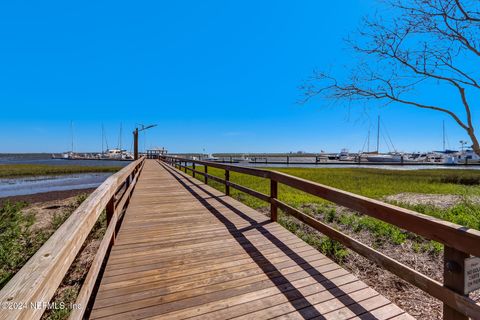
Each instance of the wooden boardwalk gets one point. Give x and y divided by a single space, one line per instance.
185 250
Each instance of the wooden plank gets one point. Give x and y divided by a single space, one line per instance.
88 285
252 302
237 258
91 278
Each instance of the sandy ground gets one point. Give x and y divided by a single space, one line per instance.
46 196
443 201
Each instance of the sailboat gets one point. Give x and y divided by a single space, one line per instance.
377 157
116 153
68 154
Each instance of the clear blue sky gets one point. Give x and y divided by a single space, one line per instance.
216 75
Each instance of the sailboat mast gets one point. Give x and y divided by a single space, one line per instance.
368 141
120 138
378 134
71 133
102 139
443 135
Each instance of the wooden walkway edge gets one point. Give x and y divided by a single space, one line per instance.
185 250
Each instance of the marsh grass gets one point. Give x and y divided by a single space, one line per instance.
16 241
25 170
372 183
19 240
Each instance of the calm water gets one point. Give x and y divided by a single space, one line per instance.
46 158
30 185
22 186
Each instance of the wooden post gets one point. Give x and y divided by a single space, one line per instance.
227 179
273 195
193 167
110 211
135 144
206 171
453 278
185 167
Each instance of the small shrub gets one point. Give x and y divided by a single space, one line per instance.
463 180
15 239
330 215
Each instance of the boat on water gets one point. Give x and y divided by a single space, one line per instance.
116 154
396 157
109 154
210 157
468 155
344 155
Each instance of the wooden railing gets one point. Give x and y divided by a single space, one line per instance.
27 294
459 242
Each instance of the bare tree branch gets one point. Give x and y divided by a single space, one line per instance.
435 41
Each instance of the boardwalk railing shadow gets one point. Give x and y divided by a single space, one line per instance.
459 242
294 296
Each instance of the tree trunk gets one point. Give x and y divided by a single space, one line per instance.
475 143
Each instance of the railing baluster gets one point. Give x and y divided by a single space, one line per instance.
227 179
273 195
193 167
110 212
206 171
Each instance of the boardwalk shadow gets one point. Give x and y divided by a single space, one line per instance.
294 296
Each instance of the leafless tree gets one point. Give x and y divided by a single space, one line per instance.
423 43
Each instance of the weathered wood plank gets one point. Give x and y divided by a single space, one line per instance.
187 250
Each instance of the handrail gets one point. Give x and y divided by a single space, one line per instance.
33 286
459 241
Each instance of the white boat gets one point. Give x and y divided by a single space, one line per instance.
117 154
416 157
468 155
385 158
344 155
211 158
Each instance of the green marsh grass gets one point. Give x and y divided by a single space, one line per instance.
19 240
25 170
372 183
